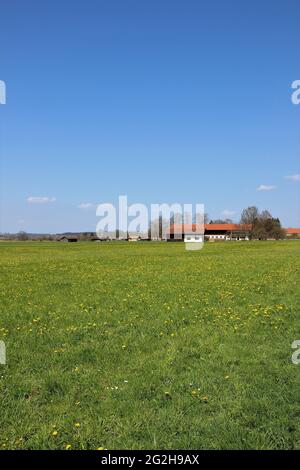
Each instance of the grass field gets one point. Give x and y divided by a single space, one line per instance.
147 346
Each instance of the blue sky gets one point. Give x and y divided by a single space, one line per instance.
164 101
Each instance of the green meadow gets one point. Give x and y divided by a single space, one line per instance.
148 346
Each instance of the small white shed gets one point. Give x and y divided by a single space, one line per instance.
193 241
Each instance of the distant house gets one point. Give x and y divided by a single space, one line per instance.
292 232
228 231
189 233
134 238
66 239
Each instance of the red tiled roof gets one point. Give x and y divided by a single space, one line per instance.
184 228
190 228
228 227
293 231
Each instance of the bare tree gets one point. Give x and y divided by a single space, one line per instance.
222 221
206 218
22 236
249 215
158 228
264 225
176 219
265 215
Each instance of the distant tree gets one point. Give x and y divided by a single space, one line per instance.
158 228
205 221
176 219
258 231
86 236
222 221
22 236
265 215
250 215
274 229
264 225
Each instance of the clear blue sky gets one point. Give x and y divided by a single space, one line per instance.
163 100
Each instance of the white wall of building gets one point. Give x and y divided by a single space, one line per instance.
193 238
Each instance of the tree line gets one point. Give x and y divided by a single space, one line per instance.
264 227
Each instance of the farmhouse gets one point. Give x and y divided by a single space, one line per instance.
66 239
292 232
227 231
189 233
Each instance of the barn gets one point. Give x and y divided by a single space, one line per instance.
292 232
227 231
67 239
190 232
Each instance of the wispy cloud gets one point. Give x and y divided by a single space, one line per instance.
2 92
293 178
40 199
266 187
228 213
86 206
